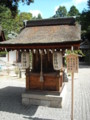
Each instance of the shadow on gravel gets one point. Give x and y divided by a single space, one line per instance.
31 118
10 101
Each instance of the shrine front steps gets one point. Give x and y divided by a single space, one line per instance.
44 98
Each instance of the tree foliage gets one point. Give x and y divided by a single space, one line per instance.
23 16
83 19
13 5
85 22
78 52
73 11
61 12
38 17
9 23
89 4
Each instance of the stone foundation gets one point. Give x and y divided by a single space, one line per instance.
44 98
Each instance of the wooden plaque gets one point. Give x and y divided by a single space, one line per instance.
72 63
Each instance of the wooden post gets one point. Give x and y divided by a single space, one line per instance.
16 56
27 79
72 67
41 72
72 97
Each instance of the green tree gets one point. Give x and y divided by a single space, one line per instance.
89 4
13 5
73 11
21 17
38 17
85 22
10 24
6 20
61 12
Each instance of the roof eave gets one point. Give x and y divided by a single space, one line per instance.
64 45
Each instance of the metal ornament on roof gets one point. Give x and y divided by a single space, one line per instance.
25 60
57 60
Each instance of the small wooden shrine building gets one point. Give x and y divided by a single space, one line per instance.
45 41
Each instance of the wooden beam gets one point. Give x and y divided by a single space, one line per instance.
41 46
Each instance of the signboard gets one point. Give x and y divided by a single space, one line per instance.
57 60
72 67
72 63
25 60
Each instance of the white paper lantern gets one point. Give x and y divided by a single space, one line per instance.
25 60
57 60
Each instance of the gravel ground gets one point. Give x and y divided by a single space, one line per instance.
11 108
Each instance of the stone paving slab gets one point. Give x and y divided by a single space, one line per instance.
11 107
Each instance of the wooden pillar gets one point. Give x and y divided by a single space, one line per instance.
16 55
27 79
48 54
33 60
41 72
8 56
61 78
57 83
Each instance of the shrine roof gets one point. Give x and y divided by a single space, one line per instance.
48 31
